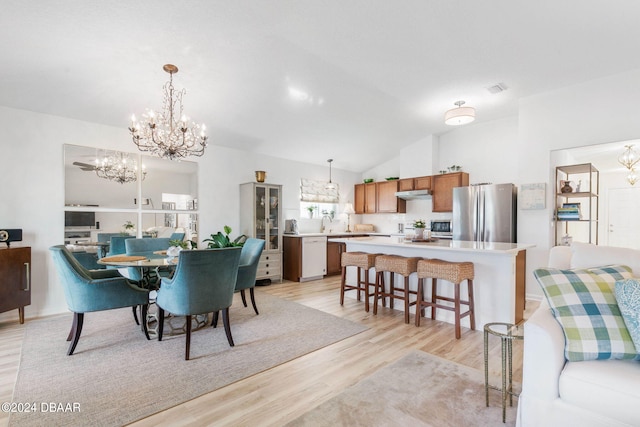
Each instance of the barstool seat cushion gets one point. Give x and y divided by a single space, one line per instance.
454 272
397 264
358 259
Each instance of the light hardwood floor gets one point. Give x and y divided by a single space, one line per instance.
282 393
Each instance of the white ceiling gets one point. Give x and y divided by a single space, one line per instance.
386 70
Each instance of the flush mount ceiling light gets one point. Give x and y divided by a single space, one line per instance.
169 134
460 115
629 158
330 185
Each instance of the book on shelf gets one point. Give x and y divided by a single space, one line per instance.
569 211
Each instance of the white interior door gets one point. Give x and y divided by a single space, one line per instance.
623 228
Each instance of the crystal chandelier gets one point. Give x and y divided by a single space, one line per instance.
629 158
169 134
632 178
118 167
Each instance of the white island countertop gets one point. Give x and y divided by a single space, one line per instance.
499 282
441 244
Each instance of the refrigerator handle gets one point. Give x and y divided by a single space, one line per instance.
476 215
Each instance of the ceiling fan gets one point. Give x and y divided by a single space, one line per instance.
85 166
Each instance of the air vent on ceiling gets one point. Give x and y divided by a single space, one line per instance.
497 88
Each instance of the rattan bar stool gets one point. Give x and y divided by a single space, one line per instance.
363 261
394 264
454 272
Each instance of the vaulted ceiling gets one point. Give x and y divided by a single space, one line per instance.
381 74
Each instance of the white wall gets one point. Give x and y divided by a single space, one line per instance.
33 194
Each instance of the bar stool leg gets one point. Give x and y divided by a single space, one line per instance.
406 299
391 288
376 292
434 293
456 308
358 282
342 283
472 313
419 306
366 290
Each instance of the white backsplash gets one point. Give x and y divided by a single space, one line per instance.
388 223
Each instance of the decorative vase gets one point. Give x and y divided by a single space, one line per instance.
260 176
566 187
419 233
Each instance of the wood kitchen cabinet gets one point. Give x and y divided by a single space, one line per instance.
292 258
334 255
419 183
370 197
365 198
358 198
386 199
15 279
442 187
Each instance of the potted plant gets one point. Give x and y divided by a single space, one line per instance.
220 240
419 225
128 228
311 209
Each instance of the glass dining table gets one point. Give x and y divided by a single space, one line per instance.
173 325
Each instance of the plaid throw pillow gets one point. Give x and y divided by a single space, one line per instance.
584 304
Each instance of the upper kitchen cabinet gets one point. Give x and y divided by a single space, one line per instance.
387 202
442 187
358 198
370 197
410 184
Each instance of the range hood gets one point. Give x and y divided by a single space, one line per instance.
414 194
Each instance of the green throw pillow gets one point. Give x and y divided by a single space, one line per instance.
628 297
584 304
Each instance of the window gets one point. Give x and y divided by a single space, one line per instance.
316 200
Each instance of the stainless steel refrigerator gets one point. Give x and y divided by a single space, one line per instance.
485 213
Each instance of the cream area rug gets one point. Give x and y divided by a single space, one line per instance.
417 390
116 376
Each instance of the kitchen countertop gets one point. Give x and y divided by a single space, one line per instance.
443 244
332 234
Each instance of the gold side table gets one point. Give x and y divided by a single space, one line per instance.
507 332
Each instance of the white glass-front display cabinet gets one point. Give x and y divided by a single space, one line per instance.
260 217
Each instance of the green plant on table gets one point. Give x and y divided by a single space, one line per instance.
419 223
220 240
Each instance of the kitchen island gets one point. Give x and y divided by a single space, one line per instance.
499 284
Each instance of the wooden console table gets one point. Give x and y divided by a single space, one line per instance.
15 279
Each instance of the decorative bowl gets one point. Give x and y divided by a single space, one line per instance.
392 178
368 180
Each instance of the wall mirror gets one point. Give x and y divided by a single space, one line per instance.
107 191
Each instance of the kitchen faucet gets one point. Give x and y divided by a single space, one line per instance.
322 222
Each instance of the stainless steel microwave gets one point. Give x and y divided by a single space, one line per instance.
441 228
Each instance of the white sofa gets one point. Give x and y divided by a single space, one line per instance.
589 393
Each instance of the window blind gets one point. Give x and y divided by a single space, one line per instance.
315 192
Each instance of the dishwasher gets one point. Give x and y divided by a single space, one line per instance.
314 258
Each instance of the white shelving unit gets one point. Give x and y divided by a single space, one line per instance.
585 228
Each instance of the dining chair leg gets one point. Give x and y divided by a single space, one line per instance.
186 354
160 323
144 309
78 318
214 320
227 327
135 314
244 297
253 300
72 332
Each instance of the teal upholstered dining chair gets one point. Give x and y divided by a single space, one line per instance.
94 290
248 269
177 236
146 247
116 247
204 282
